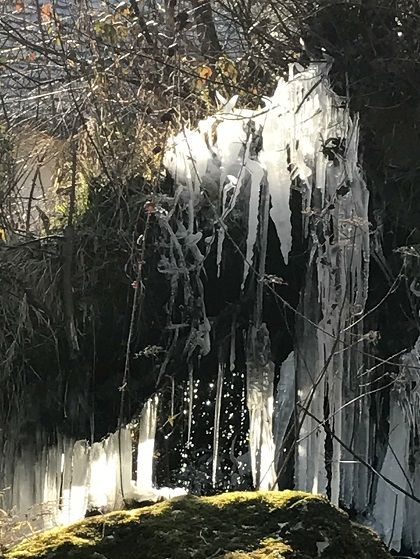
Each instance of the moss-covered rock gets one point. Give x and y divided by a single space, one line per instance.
257 525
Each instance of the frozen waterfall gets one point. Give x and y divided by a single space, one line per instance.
305 138
305 414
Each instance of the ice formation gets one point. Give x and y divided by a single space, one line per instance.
260 380
307 140
396 515
240 166
284 406
146 444
53 485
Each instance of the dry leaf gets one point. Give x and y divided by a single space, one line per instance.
19 6
47 11
205 72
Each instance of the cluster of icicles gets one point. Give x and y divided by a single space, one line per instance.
303 138
57 485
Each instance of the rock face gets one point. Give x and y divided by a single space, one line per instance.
268 525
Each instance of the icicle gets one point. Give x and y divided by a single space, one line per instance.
326 143
146 444
256 173
216 425
260 375
23 482
231 185
396 515
232 353
389 505
65 503
78 498
110 471
187 158
52 482
220 241
356 479
260 379
173 396
125 464
274 157
99 483
190 402
221 231
284 405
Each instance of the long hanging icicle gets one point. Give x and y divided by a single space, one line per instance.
284 405
336 200
216 425
232 352
190 402
396 515
260 380
260 376
146 444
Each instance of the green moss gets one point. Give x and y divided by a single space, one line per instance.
253 525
